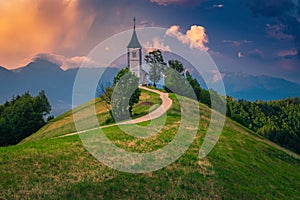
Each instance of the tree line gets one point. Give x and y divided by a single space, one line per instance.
277 120
22 116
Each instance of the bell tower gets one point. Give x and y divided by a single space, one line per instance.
134 54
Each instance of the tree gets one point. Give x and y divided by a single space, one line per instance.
176 65
105 94
22 116
117 97
175 80
42 105
119 75
125 83
157 66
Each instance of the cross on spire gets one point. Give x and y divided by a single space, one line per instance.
134 42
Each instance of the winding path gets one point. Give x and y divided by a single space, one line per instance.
165 105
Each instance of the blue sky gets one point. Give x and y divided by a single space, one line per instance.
251 36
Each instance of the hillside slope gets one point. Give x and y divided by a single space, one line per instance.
240 166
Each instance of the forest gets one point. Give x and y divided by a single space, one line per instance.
22 116
277 120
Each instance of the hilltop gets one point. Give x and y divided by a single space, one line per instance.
241 166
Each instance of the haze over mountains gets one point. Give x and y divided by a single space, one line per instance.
58 84
44 75
249 87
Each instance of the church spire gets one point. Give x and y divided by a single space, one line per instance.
134 42
134 56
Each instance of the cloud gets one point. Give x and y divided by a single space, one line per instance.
196 36
277 31
293 29
240 55
218 6
285 14
145 23
287 53
237 43
174 32
177 2
67 62
217 76
156 44
28 28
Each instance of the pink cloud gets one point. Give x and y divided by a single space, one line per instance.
67 62
240 55
30 27
284 53
195 37
217 76
156 44
177 2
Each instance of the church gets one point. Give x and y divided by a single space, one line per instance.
134 57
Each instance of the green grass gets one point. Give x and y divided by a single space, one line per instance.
239 167
64 123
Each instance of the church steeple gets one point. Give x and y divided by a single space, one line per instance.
134 42
134 56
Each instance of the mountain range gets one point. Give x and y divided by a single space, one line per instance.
249 87
44 75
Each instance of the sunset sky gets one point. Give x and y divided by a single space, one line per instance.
251 36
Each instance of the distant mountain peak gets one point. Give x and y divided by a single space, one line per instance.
3 69
44 62
39 64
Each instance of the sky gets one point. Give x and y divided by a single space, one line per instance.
250 36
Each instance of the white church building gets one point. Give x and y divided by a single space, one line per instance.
134 57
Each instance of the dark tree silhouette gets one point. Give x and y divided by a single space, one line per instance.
22 116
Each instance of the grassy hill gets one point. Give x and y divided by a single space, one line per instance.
241 166
64 123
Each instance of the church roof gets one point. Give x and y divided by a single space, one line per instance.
134 42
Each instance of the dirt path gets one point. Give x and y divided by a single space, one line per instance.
165 105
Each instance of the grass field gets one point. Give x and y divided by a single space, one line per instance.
65 123
240 166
